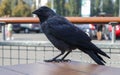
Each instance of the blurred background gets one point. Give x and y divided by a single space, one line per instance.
81 8
19 8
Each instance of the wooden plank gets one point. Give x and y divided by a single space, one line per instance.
64 68
71 19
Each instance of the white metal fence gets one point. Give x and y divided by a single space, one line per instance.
17 52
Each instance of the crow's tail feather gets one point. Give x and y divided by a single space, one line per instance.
94 55
98 59
94 52
98 50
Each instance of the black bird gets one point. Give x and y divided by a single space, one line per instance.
66 37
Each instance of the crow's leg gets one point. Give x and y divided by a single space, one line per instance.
62 52
55 58
66 55
63 58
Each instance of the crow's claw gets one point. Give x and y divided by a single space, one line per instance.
66 60
49 60
58 60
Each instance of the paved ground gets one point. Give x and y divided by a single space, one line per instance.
28 37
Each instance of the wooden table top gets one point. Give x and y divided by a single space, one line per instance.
62 68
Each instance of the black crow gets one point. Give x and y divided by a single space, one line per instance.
65 36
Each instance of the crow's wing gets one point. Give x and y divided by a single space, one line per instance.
68 32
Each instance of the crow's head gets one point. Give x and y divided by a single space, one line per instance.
44 13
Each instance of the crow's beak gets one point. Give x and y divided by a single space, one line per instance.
35 12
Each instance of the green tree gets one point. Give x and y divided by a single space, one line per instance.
59 6
107 7
5 7
68 7
14 8
73 7
21 9
95 7
116 8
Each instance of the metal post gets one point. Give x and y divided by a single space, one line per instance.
113 31
52 4
101 6
119 8
36 4
3 30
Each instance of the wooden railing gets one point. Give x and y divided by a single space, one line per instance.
71 19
